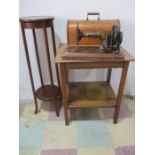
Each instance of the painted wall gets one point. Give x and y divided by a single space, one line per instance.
63 10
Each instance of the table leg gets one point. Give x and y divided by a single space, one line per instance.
109 75
36 105
120 91
63 77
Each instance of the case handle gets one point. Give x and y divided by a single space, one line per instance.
93 14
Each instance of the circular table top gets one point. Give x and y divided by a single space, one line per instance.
35 18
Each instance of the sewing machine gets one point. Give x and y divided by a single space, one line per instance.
109 43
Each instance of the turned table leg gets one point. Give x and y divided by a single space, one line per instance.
120 91
63 76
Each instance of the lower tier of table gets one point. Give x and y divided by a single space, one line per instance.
90 95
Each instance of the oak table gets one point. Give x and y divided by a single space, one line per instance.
78 95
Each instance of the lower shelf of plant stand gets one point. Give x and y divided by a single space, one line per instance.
90 95
47 92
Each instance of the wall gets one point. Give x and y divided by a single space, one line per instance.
63 10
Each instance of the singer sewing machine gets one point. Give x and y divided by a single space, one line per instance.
93 39
100 35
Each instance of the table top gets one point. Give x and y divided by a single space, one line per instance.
58 58
35 18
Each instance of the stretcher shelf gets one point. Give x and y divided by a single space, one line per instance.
90 95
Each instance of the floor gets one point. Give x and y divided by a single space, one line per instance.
91 131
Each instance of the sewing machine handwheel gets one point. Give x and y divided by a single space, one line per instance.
114 39
114 32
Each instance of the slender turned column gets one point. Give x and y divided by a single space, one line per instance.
37 55
120 91
54 49
48 54
30 70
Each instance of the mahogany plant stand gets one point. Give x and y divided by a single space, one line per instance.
45 92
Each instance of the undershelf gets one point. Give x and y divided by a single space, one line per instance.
47 92
90 95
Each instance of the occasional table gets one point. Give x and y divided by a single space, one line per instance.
77 95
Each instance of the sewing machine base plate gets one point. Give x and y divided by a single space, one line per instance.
89 53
